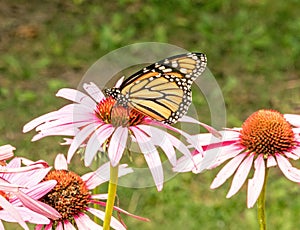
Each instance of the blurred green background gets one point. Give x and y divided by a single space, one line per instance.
253 50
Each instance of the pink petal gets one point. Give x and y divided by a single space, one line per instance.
8 187
96 141
13 212
37 121
84 222
154 164
6 152
49 226
68 225
26 215
80 137
186 164
161 139
296 151
207 127
59 226
36 192
256 183
240 175
60 162
99 196
293 119
115 224
287 169
38 206
76 96
101 175
225 153
93 91
117 145
227 170
271 161
291 155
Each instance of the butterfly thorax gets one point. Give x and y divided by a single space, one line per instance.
121 99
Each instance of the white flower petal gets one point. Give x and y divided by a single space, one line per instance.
102 174
96 141
224 154
94 91
271 161
76 96
293 119
287 169
83 221
68 225
117 145
227 170
115 224
79 139
256 183
240 175
154 164
60 162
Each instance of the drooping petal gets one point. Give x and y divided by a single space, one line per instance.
94 91
83 221
154 164
256 183
240 175
79 138
161 139
26 215
6 152
186 164
227 171
102 174
296 151
115 224
68 225
36 192
117 145
60 162
271 161
99 196
225 153
95 142
76 96
287 169
207 127
291 155
12 211
293 119
38 206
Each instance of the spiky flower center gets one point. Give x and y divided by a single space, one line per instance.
70 196
110 112
267 132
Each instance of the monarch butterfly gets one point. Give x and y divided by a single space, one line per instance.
162 90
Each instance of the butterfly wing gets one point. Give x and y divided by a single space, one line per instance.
163 89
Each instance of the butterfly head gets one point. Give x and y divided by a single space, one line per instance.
116 94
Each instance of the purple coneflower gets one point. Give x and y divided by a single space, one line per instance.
73 199
20 189
99 123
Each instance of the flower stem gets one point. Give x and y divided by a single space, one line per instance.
261 204
112 190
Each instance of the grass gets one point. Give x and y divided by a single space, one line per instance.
253 50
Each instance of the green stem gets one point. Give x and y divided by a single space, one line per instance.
261 204
112 190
